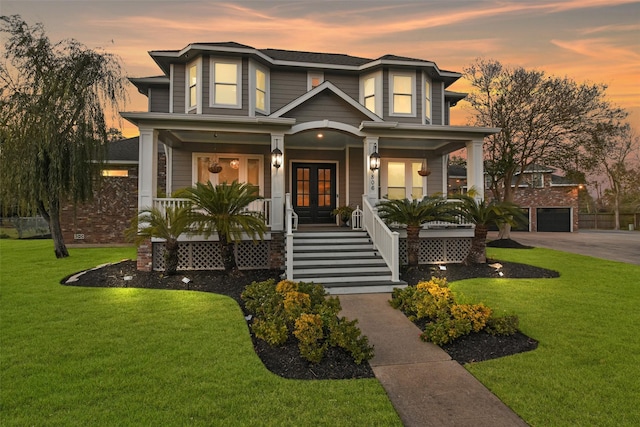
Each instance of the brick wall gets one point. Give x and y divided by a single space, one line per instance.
104 219
548 197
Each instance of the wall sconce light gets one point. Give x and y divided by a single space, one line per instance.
374 161
276 158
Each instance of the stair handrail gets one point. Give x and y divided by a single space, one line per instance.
291 221
387 242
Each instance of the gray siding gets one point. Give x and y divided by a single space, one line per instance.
286 86
159 100
178 88
356 176
327 106
182 176
436 102
348 83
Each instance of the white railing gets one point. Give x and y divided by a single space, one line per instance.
291 222
384 240
261 206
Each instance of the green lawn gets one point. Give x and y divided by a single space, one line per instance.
586 370
90 356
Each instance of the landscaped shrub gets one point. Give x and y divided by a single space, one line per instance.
503 325
304 311
432 304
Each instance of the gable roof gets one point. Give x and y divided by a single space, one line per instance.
326 85
314 57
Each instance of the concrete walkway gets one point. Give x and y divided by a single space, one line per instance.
425 385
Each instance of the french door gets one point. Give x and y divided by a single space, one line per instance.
314 192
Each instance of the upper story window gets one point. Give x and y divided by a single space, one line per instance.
259 88
402 94
427 100
314 79
194 84
371 92
226 83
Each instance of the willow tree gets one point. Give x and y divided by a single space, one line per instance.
53 99
542 120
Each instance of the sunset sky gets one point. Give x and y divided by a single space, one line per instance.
595 41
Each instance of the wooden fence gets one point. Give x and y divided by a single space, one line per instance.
606 221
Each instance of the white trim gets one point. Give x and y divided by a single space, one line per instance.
325 86
324 124
168 151
377 90
212 82
253 88
311 75
442 117
412 76
242 169
187 89
409 177
171 74
427 120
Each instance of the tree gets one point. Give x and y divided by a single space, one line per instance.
414 214
114 134
542 118
483 215
608 151
168 225
223 209
53 120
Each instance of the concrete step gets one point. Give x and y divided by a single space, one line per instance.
360 262
334 247
346 288
353 254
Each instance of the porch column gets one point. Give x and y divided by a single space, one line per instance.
371 178
475 167
147 167
277 185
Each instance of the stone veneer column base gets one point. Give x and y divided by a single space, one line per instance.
145 256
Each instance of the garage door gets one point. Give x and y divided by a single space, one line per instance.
554 219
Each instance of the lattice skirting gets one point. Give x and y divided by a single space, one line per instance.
206 255
438 251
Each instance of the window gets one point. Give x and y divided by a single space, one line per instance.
427 100
226 78
400 179
240 167
370 92
314 79
115 172
402 92
193 81
261 90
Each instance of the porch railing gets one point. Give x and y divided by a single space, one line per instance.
291 222
384 240
262 206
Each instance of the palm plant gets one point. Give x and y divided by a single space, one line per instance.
167 225
484 214
223 209
414 214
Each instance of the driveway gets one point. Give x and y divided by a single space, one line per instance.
623 246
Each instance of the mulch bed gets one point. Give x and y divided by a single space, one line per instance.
337 364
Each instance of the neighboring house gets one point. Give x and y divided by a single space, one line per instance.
312 131
115 200
550 201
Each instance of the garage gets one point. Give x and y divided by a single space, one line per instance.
553 219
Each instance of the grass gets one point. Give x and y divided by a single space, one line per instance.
92 356
585 371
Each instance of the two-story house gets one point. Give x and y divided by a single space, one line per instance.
312 131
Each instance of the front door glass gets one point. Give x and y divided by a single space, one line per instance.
314 192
